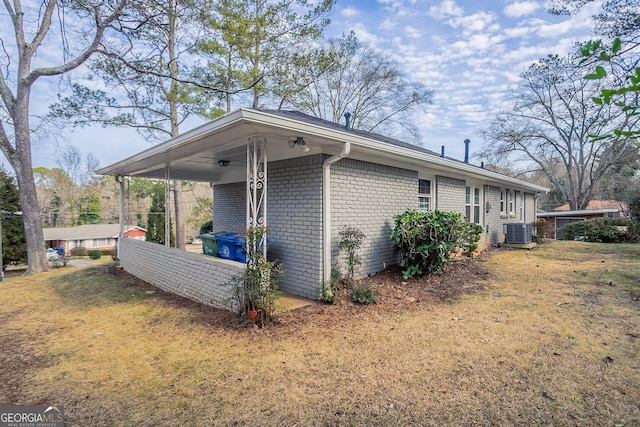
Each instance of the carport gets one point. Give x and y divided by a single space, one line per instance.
233 149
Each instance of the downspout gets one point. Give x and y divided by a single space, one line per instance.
167 205
326 208
120 180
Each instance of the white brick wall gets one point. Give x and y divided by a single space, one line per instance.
294 215
195 276
494 219
229 207
450 195
363 194
529 208
367 196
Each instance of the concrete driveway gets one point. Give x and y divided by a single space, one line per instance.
84 263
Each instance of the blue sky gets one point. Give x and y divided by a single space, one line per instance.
469 52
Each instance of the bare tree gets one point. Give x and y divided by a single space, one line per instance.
79 169
349 76
82 23
617 18
146 67
552 126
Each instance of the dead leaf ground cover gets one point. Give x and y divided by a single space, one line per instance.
542 337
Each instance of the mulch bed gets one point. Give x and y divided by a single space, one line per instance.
395 296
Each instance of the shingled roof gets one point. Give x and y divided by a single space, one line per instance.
333 125
599 204
87 231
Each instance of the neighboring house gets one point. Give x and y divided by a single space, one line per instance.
305 178
90 236
563 215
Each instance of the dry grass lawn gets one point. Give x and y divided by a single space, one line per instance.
552 339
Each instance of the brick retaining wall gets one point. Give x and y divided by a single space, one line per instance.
197 277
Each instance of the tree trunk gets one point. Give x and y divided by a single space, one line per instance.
22 165
179 215
178 205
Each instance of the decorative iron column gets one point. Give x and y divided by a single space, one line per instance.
167 205
257 189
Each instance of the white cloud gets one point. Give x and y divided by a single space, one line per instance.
366 36
477 22
472 112
349 12
397 7
514 33
388 25
554 30
412 32
445 9
477 43
519 9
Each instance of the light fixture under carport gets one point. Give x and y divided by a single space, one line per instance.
299 141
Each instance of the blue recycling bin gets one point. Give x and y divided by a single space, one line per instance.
230 246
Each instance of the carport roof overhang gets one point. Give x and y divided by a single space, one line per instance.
195 154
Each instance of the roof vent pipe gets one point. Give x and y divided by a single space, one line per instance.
347 116
442 151
466 150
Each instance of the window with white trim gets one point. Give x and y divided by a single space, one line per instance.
424 194
472 204
518 204
510 203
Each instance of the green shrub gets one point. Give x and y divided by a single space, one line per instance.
429 239
78 251
329 290
364 294
621 221
633 232
257 291
600 230
350 241
95 254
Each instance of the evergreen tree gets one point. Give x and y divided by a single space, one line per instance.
14 243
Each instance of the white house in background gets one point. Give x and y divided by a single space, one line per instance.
90 236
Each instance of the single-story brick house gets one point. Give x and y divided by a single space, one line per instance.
563 215
306 178
90 236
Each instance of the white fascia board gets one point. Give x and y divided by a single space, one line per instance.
167 146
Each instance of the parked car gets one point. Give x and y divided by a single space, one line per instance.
196 241
52 254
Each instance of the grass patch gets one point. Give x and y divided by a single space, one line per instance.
548 342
